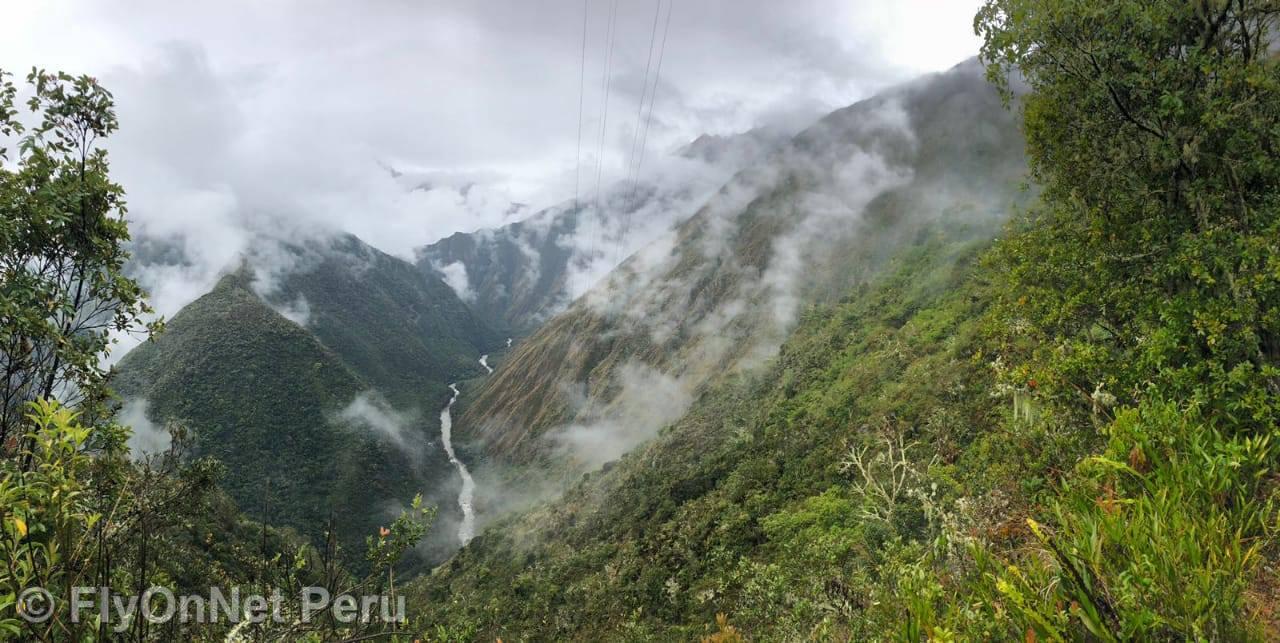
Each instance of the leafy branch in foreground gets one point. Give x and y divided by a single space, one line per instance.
63 292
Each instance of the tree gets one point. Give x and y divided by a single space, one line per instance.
1139 305
1153 130
63 292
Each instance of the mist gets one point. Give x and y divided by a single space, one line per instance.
241 119
717 293
370 411
253 134
147 438
647 401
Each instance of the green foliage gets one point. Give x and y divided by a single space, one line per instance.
77 514
1151 128
386 549
45 517
81 517
1139 303
1156 537
62 233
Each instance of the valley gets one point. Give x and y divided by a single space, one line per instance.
864 344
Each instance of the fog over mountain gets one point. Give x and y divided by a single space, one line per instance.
521 274
246 119
719 293
639 320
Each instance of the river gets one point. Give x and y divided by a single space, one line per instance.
467 529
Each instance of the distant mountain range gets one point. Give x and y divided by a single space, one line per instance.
519 275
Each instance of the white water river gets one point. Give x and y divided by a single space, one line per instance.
467 529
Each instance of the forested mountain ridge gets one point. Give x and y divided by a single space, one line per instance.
404 330
803 226
363 358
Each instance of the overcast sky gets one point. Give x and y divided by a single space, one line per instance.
235 113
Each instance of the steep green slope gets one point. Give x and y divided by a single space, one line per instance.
262 395
404 331
817 219
1073 438
887 477
746 506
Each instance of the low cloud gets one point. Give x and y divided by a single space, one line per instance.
403 123
722 291
147 438
455 274
370 411
296 310
646 401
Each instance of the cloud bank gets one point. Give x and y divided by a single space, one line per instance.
404 122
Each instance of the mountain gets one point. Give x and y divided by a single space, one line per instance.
813 221
739 150
1059 428
747 505
521 274
402 329
710 403
316 378
514 276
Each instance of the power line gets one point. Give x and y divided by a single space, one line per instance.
644 138
582 84
610 37
657 78
635 137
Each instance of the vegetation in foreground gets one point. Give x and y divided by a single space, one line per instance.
1071 438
